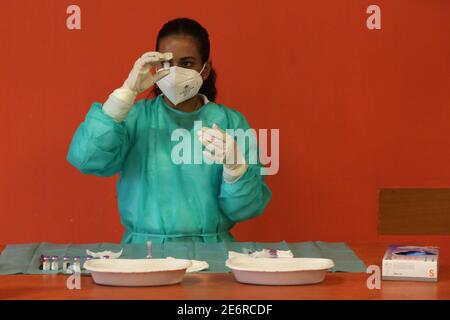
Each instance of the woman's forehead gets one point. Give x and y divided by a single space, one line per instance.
180 45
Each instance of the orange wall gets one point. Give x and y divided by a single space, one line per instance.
357 110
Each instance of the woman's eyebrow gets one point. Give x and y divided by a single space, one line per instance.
186 58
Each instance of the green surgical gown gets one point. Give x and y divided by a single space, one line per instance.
160 200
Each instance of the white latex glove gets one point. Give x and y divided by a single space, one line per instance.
140 79
102 254
222 148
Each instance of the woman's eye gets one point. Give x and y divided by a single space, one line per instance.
187 64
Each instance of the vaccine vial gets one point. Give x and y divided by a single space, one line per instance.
46 264
41 264
66 263
77 264
149 249
54 264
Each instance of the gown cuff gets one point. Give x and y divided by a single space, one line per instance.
233 175
119 104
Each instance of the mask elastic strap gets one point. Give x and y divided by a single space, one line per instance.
202 69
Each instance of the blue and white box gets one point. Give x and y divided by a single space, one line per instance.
411 263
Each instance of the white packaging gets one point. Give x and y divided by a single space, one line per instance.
411 263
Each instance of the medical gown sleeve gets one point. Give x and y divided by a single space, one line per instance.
249 195
99 145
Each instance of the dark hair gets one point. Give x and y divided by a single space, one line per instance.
186 26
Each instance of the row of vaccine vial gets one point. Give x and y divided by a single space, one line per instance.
51 263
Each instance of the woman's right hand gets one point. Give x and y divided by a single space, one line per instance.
141 78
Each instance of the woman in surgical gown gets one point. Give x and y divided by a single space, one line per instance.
161 199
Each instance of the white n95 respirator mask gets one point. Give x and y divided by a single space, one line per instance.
181 84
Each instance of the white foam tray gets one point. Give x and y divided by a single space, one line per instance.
137 272
279 271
